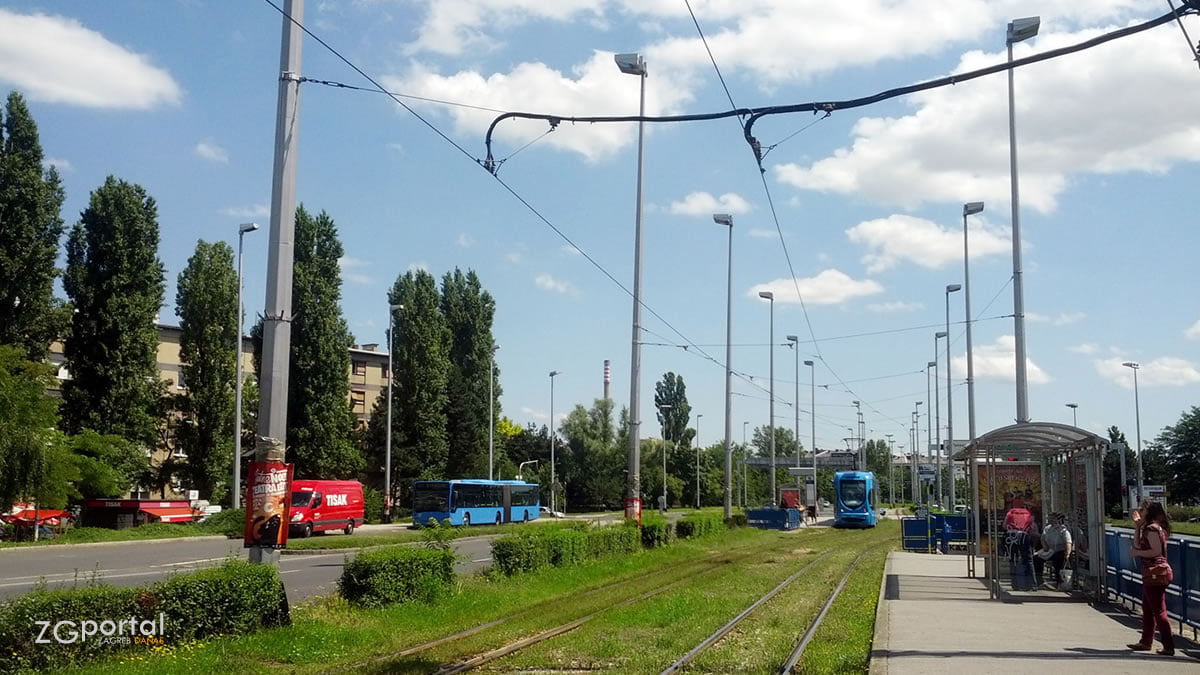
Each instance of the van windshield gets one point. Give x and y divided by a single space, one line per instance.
301 498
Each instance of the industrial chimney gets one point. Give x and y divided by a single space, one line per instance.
607 378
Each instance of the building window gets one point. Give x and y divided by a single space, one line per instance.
63 373
358 401
383 371
140 492
360 367
179 383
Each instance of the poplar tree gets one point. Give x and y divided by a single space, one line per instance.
30 228
115 282
206 300
468 310
319 416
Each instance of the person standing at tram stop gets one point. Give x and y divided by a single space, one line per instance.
1151 527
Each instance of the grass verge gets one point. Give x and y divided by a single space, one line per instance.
359 540
843 642
89 535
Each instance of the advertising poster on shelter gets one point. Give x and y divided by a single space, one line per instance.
268 501
1015 485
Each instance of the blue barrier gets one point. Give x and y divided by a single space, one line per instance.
938 531
773 519
1125 578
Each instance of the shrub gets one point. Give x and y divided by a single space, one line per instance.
372 505
236 598
737 520
229 522
559 547
516 553
657 532
397 574
1183 513
699 526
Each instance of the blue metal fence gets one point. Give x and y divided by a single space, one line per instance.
1125 578
773 519
939 531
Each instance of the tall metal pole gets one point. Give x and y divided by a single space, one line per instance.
771 407
812 372
721 220
1137 411
936 447
891 471
745 456
552 490
968 209
633 490
492 414
794 341
1017 31
236 489
277 320
698 416
949 413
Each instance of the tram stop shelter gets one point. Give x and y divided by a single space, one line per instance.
1047 468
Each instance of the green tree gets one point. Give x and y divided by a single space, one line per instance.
468 310
421 365
27 421
593 467
674 412
105 466
1180 447
30 228
206 300
1112 471
319 416
115 281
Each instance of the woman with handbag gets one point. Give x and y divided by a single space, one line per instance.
1151 527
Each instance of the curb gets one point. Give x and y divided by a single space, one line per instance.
878 661
89 544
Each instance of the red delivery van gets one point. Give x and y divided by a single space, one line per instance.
323 505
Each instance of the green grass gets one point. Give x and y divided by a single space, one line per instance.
87 535
359 540
842 644
1176 527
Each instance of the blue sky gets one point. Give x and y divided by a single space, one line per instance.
179 96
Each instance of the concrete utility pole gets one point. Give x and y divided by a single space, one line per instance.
277 326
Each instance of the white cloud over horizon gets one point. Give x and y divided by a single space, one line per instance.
829 287
549 283
923 242
895 306
252 211
705 204
1193 333
208 149
59 60
1086 348
1060 319
351 269
61 165
998 361
1163 371
464 240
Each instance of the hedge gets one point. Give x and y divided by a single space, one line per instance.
235 598
738 520
534 550
657 532
398 574
699 526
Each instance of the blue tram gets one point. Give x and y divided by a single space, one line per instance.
854 492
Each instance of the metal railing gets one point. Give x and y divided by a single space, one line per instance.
1125 578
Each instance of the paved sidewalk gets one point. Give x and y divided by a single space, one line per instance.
932 618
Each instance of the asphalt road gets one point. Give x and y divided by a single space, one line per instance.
143 562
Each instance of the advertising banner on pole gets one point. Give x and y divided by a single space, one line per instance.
268 504
633 510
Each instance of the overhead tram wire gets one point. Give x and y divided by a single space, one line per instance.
491 165
370 90
713 59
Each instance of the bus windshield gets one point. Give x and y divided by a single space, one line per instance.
431 497
854 493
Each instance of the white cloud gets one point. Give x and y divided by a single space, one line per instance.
57 59
595 87
761 233
904 238
1085 348
63 165
999 361
1193 333
418 266
351 270
253 211
535 414
571 250
895 306
456 27
549 283
208 149
1066 121
465 240
704 204
1164 371
514 258
1060 319
830 287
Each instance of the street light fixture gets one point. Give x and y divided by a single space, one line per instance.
950 288
1137 411
794 343
1074 418
492 414
698 416
1018 30
727 220
770 297
745 455
237 387
812 371
936 398
634 64
387 462
969 209
553 373
662 409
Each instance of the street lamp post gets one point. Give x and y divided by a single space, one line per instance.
770 297
916 417
794 343
1137 411
745 456
891 466
936 444
634 64
727 220
969 209
492 414
812 372
662 409
237 387
553 373
698 416
1074 418
950 288
1018 30
387 453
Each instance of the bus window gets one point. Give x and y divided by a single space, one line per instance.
431 497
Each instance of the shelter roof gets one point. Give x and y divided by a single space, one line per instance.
1032 440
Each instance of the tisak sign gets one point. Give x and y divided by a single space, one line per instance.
268 504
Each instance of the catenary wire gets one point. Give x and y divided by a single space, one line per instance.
425 99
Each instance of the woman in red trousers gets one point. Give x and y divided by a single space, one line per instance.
1152 526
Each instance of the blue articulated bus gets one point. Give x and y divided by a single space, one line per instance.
854 492
475 502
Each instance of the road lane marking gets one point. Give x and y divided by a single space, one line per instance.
482 560
191 562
